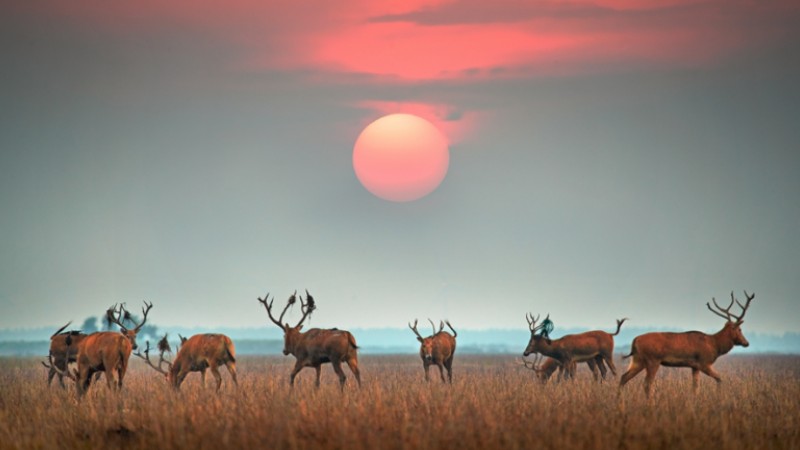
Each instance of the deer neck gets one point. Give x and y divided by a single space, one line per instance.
724 341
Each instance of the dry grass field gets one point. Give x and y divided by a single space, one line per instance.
493 403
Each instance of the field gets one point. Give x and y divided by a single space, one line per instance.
493 403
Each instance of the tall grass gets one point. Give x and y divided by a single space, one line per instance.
493 403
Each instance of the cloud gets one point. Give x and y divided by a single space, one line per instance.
462 40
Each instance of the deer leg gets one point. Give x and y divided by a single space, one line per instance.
232 370
217 376
441 371
632 371
593 368
297 368
449 366
609 359
650 376
318 368
123 368
426 365
352 363
601 366
51 373
84 380
337 367
708 370
695 378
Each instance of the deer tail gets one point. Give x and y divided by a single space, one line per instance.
229 350
619 325
352 341
633 350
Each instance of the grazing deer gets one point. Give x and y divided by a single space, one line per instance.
692 349
545 370
574 348
315 347
61 354
438 348
196 354
108 351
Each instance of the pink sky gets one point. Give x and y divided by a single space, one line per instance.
461 41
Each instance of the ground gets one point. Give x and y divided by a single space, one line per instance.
493 403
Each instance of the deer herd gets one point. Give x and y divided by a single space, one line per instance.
108 352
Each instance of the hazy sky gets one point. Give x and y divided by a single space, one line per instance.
607 159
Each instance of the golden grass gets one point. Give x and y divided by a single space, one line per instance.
493 403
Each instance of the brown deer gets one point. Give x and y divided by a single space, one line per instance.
545 370
692 349
196 354
61 354
108 351
438 348
574 348
315 347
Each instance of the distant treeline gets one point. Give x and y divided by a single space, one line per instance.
255 341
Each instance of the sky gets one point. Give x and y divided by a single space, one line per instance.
608 159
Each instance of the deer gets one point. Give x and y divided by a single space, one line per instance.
545 370
108 351
573 348
692 349
438 348
315 346
196 354
61 354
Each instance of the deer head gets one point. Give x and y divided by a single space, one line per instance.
290 333
536 339
117 314
733 322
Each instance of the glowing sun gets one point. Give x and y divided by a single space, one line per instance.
401 157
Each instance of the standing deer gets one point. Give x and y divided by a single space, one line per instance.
574 348
315 347
61 354
108 351
438 348
693 349
545 370
196 354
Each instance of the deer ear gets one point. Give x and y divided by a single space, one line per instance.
548 341
299 328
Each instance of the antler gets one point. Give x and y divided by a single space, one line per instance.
163 347
533 365
441 327
145 310
115 315
725 313
306 307
532 322
268 306
53 366
414 329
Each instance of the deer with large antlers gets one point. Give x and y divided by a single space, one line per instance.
573 348
693 349
61 354
438 348
108 351
315 346
196 354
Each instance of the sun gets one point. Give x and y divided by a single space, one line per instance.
401 157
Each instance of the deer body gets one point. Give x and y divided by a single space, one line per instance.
437 349
574 348
107 351
316 346
201 352
104 351
61 354
692 349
